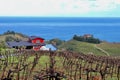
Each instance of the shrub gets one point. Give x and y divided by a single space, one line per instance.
89 39
56 41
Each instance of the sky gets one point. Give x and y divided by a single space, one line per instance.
60 8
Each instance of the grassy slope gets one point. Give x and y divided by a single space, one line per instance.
112 49
3 37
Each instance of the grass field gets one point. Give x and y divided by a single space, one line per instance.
15 36
111 48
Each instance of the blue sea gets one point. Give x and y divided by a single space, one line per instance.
107 29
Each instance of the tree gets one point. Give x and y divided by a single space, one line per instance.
9 32
56 41
89 39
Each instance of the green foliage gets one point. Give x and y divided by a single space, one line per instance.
10 38
2 45
13 32
9 32
56 41
85 39
78 46
22 35
113 49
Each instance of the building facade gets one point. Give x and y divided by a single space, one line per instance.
33 42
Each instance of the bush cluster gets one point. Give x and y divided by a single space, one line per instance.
11 38
89 39
56 41
9 32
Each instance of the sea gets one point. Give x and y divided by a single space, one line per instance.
64 28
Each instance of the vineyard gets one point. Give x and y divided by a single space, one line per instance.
60 65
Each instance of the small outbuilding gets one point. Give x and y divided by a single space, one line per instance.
51 47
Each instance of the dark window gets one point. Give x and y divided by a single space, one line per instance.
29 47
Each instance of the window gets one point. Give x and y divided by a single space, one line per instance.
37 41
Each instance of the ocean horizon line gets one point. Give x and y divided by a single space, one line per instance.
61 24
60 19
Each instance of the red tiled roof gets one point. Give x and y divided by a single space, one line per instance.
34 37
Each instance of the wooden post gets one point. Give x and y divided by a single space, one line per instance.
118 74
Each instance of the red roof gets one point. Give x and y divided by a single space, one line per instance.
34 37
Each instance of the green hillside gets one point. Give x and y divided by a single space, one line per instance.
112 48
89 48
104 48
11 35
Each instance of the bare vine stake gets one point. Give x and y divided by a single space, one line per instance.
23 73
26 74
76 71
118 74
80 75
4 68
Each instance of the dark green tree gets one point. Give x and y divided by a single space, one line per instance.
56 41
89 39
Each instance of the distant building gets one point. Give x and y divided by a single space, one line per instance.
33 42
87 35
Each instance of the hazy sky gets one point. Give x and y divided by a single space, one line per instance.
72 8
